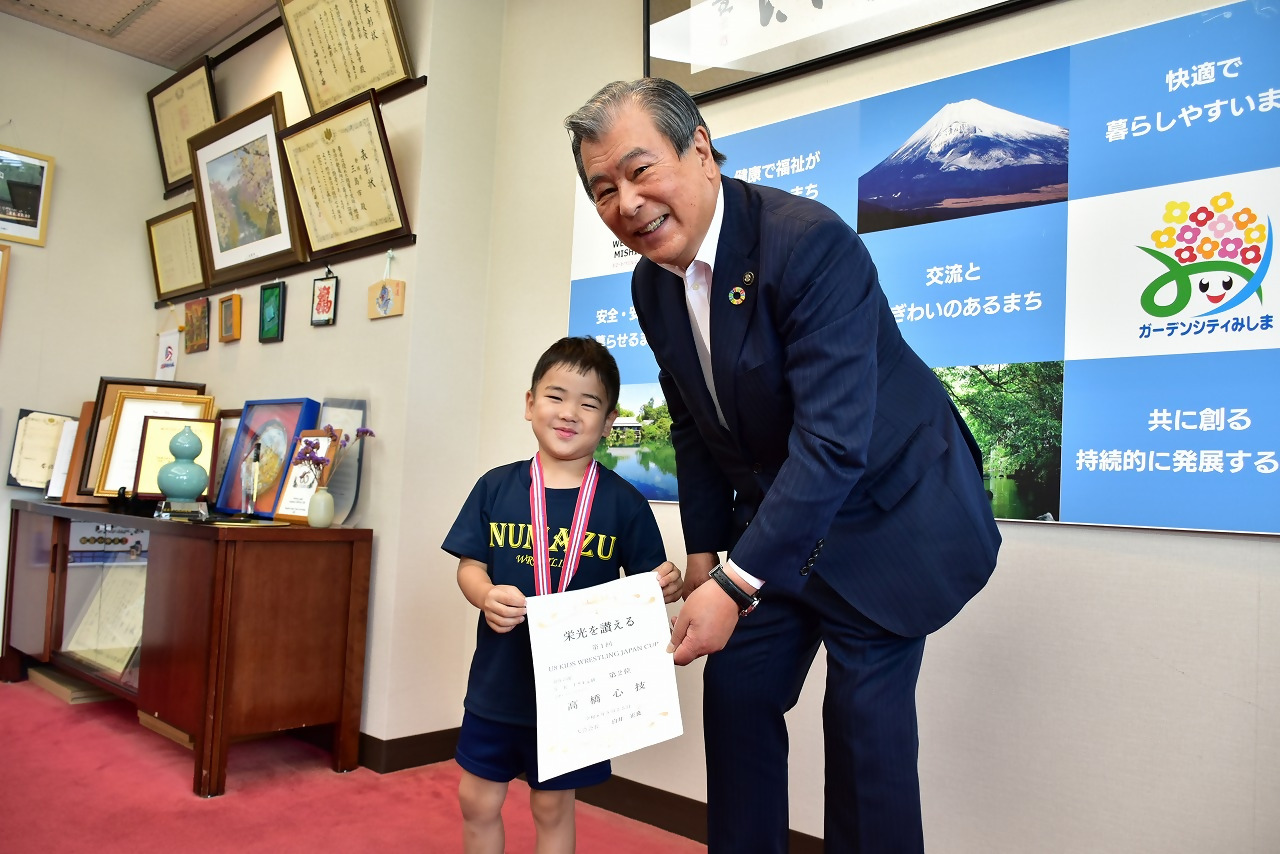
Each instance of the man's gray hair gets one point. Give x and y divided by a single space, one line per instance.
674 114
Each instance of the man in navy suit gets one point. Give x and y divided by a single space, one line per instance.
814 448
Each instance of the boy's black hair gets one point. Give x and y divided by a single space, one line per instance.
584 355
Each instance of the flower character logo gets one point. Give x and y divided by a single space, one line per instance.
1217 251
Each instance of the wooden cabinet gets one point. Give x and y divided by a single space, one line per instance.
245 630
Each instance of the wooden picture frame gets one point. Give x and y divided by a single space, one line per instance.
336 60
177 256
339 165
4 275
124 439
157 431
181 107
715 48
324 301
26 183
195 329
99 423
274 425
271 308
229 162
229 318
228 425
300 484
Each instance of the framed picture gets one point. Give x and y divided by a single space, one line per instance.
124 439
35 448
229 318
99 424
300 483
261 454
271 312
714 48
324 301
4 274
26 183
228 424
157 431
340 167
181 107
195 329
177 258
338 57
248 215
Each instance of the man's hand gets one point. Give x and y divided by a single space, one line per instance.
698 571
503 607
704 623
669 578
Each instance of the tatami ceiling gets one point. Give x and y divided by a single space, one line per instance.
168 33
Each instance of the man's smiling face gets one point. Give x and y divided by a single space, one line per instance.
657 202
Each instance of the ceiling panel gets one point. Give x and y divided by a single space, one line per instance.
169 33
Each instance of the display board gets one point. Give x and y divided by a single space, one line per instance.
1078 242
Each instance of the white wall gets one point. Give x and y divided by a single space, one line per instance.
1111 690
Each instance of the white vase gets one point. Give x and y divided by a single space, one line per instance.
320 508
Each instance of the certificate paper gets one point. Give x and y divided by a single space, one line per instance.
605 683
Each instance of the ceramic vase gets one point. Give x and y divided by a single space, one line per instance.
183 479
320 508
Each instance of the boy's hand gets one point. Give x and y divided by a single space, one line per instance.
669 578
503 607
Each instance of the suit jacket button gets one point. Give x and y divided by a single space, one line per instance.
804 570
756 468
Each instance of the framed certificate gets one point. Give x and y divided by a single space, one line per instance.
177 258
339 165
124 441
343 47
181 107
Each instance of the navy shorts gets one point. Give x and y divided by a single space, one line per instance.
501 752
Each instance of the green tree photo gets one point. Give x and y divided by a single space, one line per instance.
1015 413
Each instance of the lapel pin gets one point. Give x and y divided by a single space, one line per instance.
748 278
738 296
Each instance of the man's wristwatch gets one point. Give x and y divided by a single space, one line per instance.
745 601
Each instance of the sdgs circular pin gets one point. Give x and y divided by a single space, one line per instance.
737 296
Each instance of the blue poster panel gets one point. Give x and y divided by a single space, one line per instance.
1078 242
1188 441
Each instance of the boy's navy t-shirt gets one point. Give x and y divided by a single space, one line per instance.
494 528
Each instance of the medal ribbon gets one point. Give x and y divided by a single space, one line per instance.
577 530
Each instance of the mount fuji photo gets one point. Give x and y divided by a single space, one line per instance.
970 158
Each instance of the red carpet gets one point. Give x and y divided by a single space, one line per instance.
90 778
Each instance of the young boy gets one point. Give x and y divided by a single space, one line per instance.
592 522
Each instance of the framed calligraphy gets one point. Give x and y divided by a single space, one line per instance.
177 257
340 167
324 301
715 48
181 107
248 214
343 47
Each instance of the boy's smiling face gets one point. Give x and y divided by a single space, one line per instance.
569 413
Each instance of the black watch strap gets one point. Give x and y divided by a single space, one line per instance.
745 601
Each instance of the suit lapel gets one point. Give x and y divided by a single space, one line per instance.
735 290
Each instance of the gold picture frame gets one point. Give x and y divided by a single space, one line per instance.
177 256
181 107
4 275
339 165
335 60
26 183
157 432
229 318
248 214
124 441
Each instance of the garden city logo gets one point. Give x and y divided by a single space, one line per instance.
1215 258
